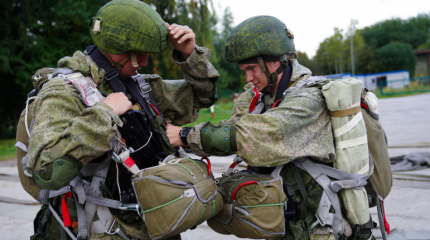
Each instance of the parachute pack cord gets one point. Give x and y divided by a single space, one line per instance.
26 113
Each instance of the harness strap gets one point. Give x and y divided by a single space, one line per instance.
111 75
301 185
346 112
98 178
61 222
329 198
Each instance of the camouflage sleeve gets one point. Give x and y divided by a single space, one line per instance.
299 127
61 119
181 100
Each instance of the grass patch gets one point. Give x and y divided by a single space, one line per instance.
223 111
7 149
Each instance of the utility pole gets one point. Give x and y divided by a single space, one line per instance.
351 34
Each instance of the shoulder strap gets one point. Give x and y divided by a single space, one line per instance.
111 76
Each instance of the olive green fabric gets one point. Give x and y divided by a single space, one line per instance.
176 196
340 95
382 176
129 26
257 210
258 36
39 78
63 170
219 138
21 136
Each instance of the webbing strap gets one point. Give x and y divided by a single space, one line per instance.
346 112
351 143
300 183
346 180
379 208
98 178
61 222
350 125
133 89
82 225
110 203
111 75
329 198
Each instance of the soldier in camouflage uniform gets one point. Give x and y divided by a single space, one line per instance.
270 130
126 32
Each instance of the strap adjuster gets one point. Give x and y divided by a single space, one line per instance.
322 223
333 188
111 74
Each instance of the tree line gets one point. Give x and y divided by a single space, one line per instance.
385 46
36 34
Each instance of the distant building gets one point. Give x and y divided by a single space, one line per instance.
422 68
393 79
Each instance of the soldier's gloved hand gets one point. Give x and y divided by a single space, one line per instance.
172 133
182 38
118 102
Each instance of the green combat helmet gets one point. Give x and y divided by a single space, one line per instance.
259 40
128 26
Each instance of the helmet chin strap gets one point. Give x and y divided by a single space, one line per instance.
119 65
272 78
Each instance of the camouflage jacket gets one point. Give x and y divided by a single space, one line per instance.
299 127
60 117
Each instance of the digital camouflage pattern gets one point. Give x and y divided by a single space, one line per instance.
258 36
129 26
300 126
61 119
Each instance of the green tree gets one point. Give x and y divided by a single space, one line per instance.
309 63
397 56
397 30
36 34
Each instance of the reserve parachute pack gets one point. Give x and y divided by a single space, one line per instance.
177 195
253 205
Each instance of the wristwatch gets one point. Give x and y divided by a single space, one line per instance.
184 134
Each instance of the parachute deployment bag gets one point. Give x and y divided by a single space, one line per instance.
253 206
175 196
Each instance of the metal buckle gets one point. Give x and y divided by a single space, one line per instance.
333 188
115 157
132 207
145 88
319 220
110 229
111 74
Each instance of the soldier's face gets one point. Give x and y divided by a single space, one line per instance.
255 76
128 70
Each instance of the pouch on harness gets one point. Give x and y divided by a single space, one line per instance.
176 196
253 206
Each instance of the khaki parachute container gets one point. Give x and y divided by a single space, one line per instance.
22 135
253 206
350 140
177 195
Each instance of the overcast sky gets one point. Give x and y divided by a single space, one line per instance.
312 21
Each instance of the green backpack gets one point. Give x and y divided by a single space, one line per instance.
22 137
177 195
